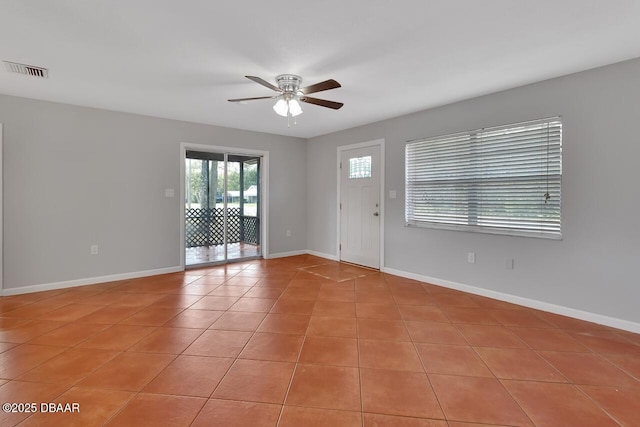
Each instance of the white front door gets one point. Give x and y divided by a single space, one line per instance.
360 206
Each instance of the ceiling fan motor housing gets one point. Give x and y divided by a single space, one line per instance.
289 83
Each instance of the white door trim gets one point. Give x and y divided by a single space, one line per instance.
376 142
264 189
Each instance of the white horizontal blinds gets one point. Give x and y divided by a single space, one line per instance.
432 197
492 179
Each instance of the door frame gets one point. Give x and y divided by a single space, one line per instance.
341 148
1 214
264 190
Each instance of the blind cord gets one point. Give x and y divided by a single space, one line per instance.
547 196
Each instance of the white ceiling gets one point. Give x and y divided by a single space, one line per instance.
184 59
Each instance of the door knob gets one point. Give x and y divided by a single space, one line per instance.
376 214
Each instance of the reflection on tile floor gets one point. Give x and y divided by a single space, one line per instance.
339 272
206 254
303 341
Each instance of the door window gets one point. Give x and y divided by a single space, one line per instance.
360 167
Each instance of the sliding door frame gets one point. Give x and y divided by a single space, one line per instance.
1 214
264 190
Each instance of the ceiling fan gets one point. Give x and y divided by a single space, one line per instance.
290 94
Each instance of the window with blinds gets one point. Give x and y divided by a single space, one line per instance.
503 180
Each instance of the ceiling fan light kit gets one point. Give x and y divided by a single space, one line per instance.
288 101
281 107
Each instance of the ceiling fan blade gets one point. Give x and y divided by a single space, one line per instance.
322 102
319 87
251 99
263 83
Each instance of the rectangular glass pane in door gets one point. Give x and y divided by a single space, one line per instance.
243 225
222 221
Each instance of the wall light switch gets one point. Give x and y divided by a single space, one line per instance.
471 257
509 264
169 192
392 194
93 250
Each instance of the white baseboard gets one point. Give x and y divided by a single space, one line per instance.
323 255
303 252
286 254
88 281
132 275
527 302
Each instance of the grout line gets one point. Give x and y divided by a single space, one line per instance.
252 335
361 389
291 271
424 368
597 404
119 410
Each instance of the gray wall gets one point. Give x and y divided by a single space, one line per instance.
77 176
594 268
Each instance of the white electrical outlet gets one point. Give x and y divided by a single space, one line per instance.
471 257
93 250
169 192
288 233
509 264
392 194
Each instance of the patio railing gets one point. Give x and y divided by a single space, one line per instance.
205 227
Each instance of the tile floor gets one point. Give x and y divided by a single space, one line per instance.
303 341
206 254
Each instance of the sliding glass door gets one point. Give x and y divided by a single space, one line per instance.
222 207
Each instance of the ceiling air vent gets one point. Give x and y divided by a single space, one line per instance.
29 70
